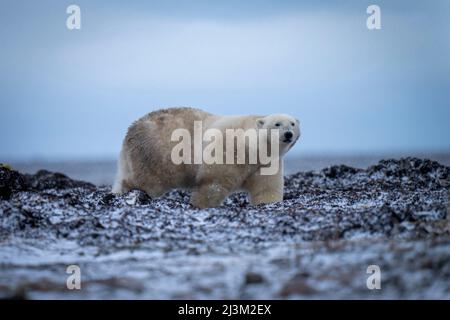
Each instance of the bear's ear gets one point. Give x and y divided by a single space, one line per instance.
260 122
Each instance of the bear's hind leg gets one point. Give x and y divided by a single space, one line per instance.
120 187
209 195
155 191
121 184
152 185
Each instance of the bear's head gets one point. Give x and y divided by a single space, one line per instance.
288 129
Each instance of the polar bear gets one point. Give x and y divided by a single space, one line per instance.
146 161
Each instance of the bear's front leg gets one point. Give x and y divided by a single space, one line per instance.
265 188
209 195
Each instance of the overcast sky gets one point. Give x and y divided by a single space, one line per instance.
73 93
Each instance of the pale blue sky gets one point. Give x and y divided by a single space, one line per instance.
73 93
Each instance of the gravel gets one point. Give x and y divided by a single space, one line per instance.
318 243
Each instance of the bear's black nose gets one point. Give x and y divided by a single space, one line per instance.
288 135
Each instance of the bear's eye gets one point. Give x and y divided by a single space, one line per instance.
277 124
293 124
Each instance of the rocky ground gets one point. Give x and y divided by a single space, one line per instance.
317 243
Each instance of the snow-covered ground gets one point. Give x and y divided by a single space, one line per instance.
318 243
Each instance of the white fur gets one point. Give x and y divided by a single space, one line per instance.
145 159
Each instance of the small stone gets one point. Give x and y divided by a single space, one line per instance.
254 278
297 286
107 198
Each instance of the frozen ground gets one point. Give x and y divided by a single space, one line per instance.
317 243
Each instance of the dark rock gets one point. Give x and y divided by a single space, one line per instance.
10 181
298 285
108 198
253 278
142 198
44 180
339 171
331 225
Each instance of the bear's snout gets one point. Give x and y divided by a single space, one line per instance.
288 136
